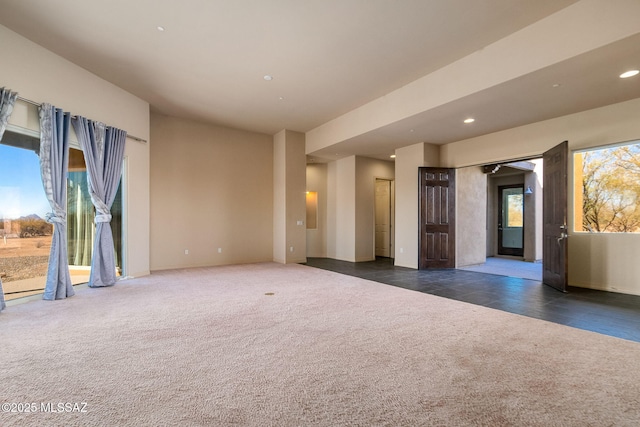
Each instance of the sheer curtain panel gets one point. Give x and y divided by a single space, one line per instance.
54 164
103 148
7 99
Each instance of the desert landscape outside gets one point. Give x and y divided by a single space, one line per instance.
23 266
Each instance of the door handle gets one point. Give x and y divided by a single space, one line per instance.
563 235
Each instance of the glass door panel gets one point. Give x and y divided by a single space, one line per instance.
80 219
511 221
25 236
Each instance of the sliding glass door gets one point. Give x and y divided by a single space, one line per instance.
25 236
80 218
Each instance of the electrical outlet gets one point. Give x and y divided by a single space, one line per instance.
219 250
291 249
186 251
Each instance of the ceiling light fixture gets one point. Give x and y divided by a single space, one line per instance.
393 156
556 85
281 98
268 77
469 120
629 73
160 28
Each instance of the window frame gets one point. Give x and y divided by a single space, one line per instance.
578 187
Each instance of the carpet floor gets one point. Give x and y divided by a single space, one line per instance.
290 345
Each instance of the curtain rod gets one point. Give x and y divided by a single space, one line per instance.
37 104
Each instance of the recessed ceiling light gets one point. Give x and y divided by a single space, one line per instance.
160 28
469 120
393 156
411 130
629 73
556 85
268 77
281 98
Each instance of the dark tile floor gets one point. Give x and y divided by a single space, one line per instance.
607 313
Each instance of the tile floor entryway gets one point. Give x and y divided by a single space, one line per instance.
508 267
607 313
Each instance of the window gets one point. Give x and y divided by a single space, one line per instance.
608 189
513 210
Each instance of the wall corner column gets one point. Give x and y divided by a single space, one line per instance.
408 160
289 203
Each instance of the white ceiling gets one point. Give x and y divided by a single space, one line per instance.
327 57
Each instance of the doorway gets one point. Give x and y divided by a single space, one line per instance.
501 220
544 217
514 210
384 210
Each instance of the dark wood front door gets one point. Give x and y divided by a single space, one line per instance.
554 255
437 218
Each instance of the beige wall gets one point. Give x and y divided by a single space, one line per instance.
349 185
471 216
279 198
39 75
317 175
595 261
367 170
533 203
332 203
341 235
289 231
607 125
408 160
211 187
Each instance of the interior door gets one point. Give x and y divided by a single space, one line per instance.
555 255
511 220
383 217
437 218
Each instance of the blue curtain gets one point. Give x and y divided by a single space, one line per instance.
54 165
103 148
7 100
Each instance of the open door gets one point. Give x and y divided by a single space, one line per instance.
437 218
554 255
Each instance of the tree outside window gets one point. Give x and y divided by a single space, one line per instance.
609 200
